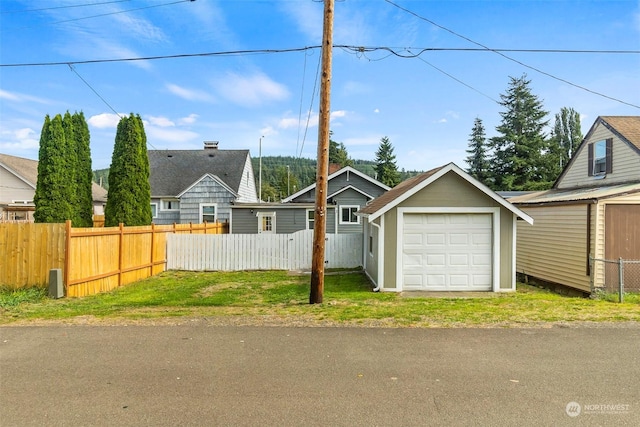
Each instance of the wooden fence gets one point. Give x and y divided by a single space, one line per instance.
235 252
93 260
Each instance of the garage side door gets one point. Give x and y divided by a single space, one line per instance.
447 252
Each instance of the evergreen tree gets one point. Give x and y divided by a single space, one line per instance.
566 136
342 157
477 159
83 172
55 188
518 161
129 196
386 168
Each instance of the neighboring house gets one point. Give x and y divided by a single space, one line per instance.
348 190
199 185
18 179
592 210
442 230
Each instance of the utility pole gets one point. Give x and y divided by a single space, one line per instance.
260 173
320 215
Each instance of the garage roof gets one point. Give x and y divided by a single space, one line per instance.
411 186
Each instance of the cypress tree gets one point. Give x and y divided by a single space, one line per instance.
55 189
129 197
83 171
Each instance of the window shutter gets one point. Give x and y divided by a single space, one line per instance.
609 160
590 161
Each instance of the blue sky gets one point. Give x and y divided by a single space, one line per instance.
425 105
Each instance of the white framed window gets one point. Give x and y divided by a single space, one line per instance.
266 222
154 210
348 215
599 157
310 219
207 212
170 205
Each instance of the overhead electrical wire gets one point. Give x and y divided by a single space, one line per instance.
499 52
63 7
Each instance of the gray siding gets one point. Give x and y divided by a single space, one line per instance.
349 198
343 180
288 220
13 188
165 217
207 190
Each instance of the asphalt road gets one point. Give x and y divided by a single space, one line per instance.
203 375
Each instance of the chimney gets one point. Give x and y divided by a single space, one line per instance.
211 145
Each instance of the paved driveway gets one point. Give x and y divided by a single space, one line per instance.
203 375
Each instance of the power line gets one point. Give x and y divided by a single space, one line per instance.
111 13
63 7
499 52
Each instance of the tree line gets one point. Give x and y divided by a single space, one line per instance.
522 156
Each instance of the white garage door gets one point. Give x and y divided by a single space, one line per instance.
447 252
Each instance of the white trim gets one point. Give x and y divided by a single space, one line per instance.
169 199
381 255
306 218
156 215
451 167
341 222
514 243
271 215
200 209
215 178
495 250
347 169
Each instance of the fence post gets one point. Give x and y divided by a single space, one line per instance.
121 254
620 280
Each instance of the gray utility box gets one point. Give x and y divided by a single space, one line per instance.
56 287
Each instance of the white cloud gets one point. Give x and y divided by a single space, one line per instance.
250 90
189 120
338 114
172 135
19 139
104 121
288 123
160 121
376 110
188 94
20 97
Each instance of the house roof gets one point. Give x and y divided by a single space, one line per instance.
27 170
576 195
174 171
345 169
411 186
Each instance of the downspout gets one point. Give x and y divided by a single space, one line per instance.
379 281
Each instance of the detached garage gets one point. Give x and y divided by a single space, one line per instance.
441 231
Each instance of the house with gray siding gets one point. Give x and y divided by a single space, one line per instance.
199 185
348 190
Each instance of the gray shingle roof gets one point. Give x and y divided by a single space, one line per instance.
173 171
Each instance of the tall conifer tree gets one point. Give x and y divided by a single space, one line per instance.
129 197
477 159
55 189
518 161
386 168
83 171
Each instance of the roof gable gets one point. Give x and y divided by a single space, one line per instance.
172 172
625 128
411 186
214 178
344 170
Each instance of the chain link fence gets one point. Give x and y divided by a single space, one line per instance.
615 276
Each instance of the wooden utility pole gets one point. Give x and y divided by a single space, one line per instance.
322 174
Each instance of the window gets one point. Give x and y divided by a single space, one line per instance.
154 210
600 161
310 219
207 212
370 245
170 205
348 215
266 222
599 157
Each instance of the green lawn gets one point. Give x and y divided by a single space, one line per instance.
276 297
